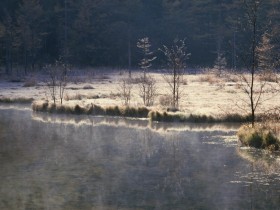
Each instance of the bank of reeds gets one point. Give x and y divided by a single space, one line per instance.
194 118
136 112
92 109
20 100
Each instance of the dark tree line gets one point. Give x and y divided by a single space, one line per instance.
105 32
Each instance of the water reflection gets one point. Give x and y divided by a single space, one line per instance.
56 165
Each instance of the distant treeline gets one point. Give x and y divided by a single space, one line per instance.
105 32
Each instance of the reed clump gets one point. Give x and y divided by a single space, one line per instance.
259 136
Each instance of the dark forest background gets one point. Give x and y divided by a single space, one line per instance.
104 33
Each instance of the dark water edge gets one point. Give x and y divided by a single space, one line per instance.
57 162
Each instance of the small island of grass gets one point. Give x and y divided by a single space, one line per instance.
260 136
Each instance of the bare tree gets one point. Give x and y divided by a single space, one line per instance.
57 80
147 90
52 81
125 88
176 59
63 70
257 62
250 60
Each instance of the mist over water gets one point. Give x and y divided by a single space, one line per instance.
47 165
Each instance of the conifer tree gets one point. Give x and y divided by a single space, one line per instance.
146 61
147 83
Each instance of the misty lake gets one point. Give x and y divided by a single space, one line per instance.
80 162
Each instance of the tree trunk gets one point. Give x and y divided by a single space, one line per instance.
174 87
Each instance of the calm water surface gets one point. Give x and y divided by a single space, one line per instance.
61 163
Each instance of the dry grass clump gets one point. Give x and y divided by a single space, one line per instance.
260 136
20 100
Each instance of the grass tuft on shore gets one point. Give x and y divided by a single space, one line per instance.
260 136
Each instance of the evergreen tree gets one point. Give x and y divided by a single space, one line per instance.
147 83
146 61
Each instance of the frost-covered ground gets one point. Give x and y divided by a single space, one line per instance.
201 93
